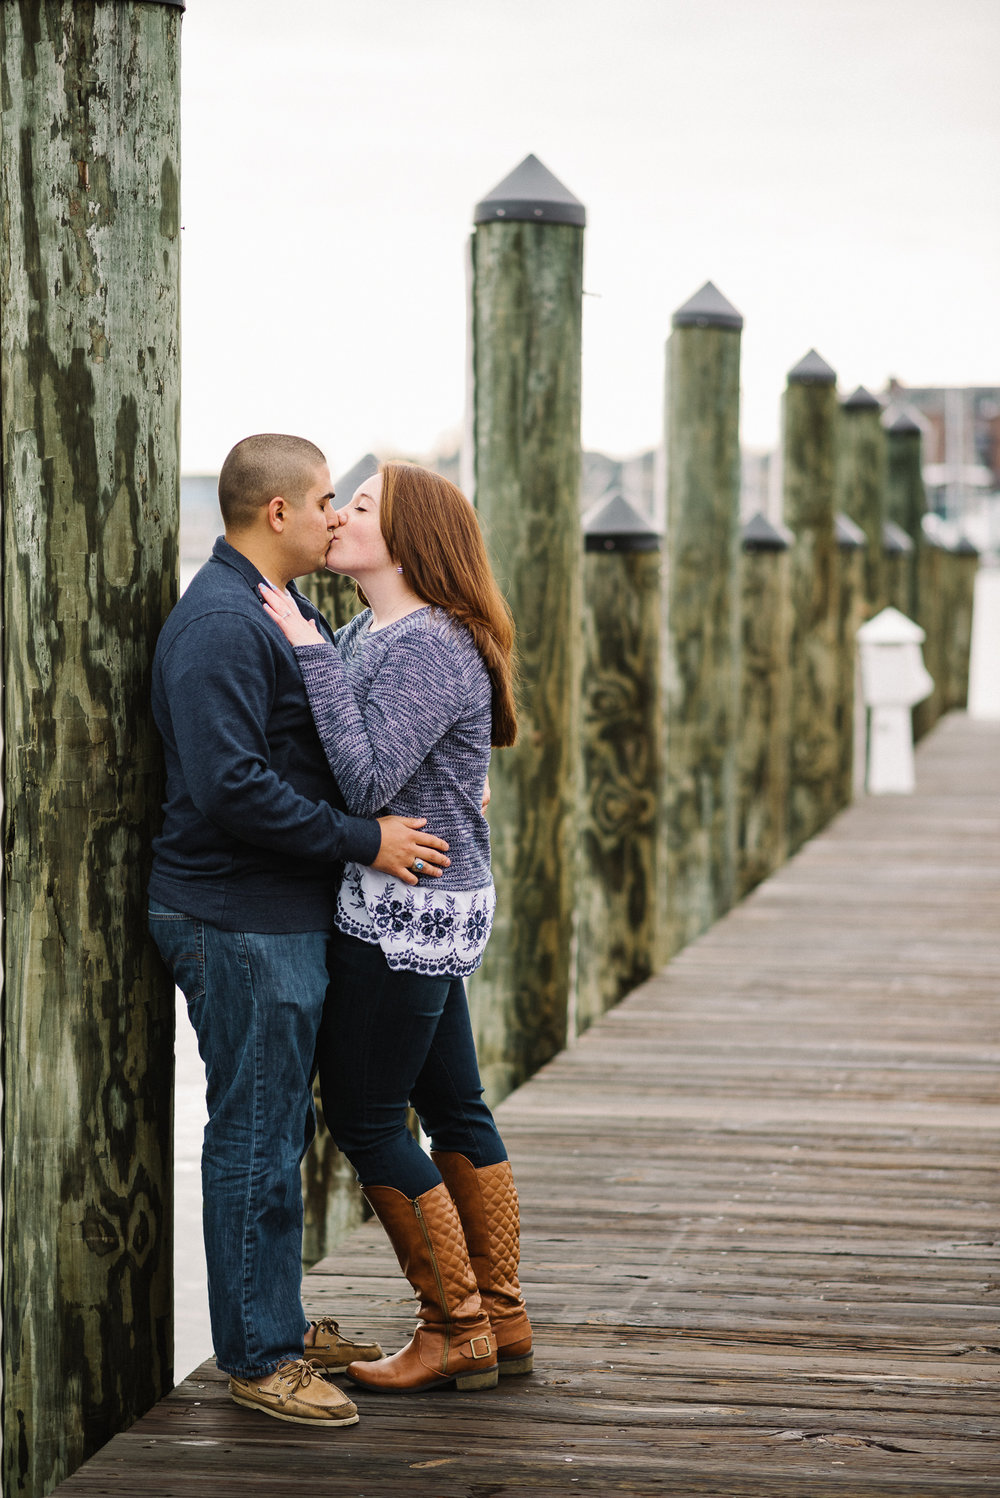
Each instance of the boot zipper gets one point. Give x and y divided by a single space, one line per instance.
440 1283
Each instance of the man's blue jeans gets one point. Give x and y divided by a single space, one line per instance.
255 1001
390 1039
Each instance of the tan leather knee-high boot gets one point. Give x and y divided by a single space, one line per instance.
486 1198
453 1342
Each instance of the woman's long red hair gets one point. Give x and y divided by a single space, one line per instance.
432 532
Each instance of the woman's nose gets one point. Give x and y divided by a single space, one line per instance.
341 516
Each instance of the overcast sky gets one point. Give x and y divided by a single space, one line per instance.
833 167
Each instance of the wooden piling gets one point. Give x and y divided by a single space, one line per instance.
702 611
526 294
965 564
860 485
331 1197
905 497
89 239
810 434
851 719
934 600
897 556
764 727
619 888
906 505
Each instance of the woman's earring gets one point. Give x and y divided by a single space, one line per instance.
399 570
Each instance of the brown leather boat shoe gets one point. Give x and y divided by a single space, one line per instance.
333 1351
297 1392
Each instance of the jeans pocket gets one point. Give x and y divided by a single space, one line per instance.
181 943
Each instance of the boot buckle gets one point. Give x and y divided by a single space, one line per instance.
487 1349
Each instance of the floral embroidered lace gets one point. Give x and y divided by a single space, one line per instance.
418 927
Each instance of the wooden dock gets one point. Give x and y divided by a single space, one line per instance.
760 1215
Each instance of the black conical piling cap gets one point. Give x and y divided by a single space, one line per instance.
895 541
963 547
812 370
761 534
902 425
848 535
708 308
615 525
531 195
862 400
363 469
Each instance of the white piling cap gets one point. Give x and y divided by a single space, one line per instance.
890 627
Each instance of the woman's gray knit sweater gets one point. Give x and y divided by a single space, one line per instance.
404 716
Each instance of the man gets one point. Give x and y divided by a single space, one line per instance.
242 895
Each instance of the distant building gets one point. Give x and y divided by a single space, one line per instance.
961 451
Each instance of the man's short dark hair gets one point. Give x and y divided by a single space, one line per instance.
260 467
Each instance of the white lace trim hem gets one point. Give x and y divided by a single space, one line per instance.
419 928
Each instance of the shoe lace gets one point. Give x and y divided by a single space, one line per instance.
298 1372
327 1324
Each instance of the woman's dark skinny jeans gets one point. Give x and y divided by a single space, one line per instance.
391 1039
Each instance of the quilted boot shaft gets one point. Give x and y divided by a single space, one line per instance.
486 1198
453 1341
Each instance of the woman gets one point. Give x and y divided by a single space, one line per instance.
407 706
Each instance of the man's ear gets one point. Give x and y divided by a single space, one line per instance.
276 509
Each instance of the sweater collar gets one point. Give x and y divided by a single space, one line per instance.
230 557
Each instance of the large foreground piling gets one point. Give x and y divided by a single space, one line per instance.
861 482
619 899
527 289
702 611
810 434
90 416
762 803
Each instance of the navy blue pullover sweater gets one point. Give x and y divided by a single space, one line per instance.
254 828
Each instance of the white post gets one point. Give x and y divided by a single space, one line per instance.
893 680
